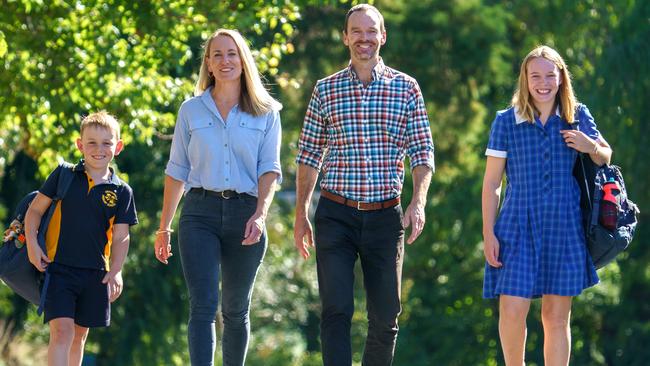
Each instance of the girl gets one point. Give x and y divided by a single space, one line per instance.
536 245
225 156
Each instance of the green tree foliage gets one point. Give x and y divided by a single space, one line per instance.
139 60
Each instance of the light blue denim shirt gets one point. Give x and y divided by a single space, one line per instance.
219 155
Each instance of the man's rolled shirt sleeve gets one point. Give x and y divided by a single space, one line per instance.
313 137
418 132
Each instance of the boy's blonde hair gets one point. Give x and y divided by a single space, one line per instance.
101 119
254 98
565 95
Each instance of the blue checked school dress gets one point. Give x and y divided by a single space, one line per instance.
541 238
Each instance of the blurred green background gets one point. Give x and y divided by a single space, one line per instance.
60 60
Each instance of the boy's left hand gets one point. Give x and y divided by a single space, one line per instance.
114 281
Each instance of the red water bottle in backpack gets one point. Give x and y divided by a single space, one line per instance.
609 205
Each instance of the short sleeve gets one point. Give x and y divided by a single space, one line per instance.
49 188
587 124
126 213
498 141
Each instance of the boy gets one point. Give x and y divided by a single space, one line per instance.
86 243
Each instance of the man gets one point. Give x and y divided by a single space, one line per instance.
360 124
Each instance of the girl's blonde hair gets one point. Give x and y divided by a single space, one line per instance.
254 98
566 98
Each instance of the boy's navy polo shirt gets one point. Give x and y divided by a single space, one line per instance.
81 229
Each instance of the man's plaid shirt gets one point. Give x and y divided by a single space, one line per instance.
360 134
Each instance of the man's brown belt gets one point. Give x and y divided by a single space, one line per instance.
362 206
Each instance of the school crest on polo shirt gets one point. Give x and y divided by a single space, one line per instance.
109 198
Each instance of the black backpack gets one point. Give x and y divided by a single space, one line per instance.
604 244
15 268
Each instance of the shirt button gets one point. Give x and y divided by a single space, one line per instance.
227 179
226 163
225 145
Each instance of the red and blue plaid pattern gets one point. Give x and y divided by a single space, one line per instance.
360 135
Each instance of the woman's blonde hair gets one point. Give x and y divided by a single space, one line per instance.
566 98
254 98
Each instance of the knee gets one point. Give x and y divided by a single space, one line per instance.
555 318
513 312
80 336
337 310
384 319
383 330
336 313
203 311
235 318
61 333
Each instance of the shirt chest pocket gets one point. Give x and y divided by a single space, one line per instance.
253 126
249 134
196 125
202 131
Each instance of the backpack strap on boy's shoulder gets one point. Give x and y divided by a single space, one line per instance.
66 176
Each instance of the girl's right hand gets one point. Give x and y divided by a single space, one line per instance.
491 250
37 257
163 246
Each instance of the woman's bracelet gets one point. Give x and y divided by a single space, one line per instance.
160 231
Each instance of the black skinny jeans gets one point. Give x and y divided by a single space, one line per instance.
342 234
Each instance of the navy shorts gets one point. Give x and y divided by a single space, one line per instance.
77 293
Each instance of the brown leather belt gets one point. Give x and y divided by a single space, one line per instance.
361 206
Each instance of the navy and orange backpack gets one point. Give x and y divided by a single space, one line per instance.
16 271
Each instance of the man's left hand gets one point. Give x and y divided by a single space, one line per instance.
414 217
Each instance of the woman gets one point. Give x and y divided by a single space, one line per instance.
225 156
536 246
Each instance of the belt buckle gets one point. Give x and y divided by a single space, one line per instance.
224 196
360 208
